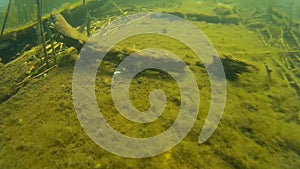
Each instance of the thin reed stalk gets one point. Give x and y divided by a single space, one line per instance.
291 16
40 25
88 19
5 18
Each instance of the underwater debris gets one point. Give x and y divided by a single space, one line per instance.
88 19
224 9
258 129
27 66
41 30
71 36
207 12
63 27
268 70
67 57
5 18
291 16
122 12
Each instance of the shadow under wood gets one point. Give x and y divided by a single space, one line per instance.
232 67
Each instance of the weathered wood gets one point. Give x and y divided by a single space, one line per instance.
26 35
63 27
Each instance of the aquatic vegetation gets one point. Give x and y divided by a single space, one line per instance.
259 49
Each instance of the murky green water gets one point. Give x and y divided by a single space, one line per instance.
258 43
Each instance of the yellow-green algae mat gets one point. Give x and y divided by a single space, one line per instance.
259 127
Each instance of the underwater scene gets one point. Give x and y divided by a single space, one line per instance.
109 84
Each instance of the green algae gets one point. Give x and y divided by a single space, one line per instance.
259 127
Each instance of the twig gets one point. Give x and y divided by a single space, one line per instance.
40 24
118 7
261 38
51 42
88 19
270 8
295 38
270 37
281 40
291 16
28 78
5 18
